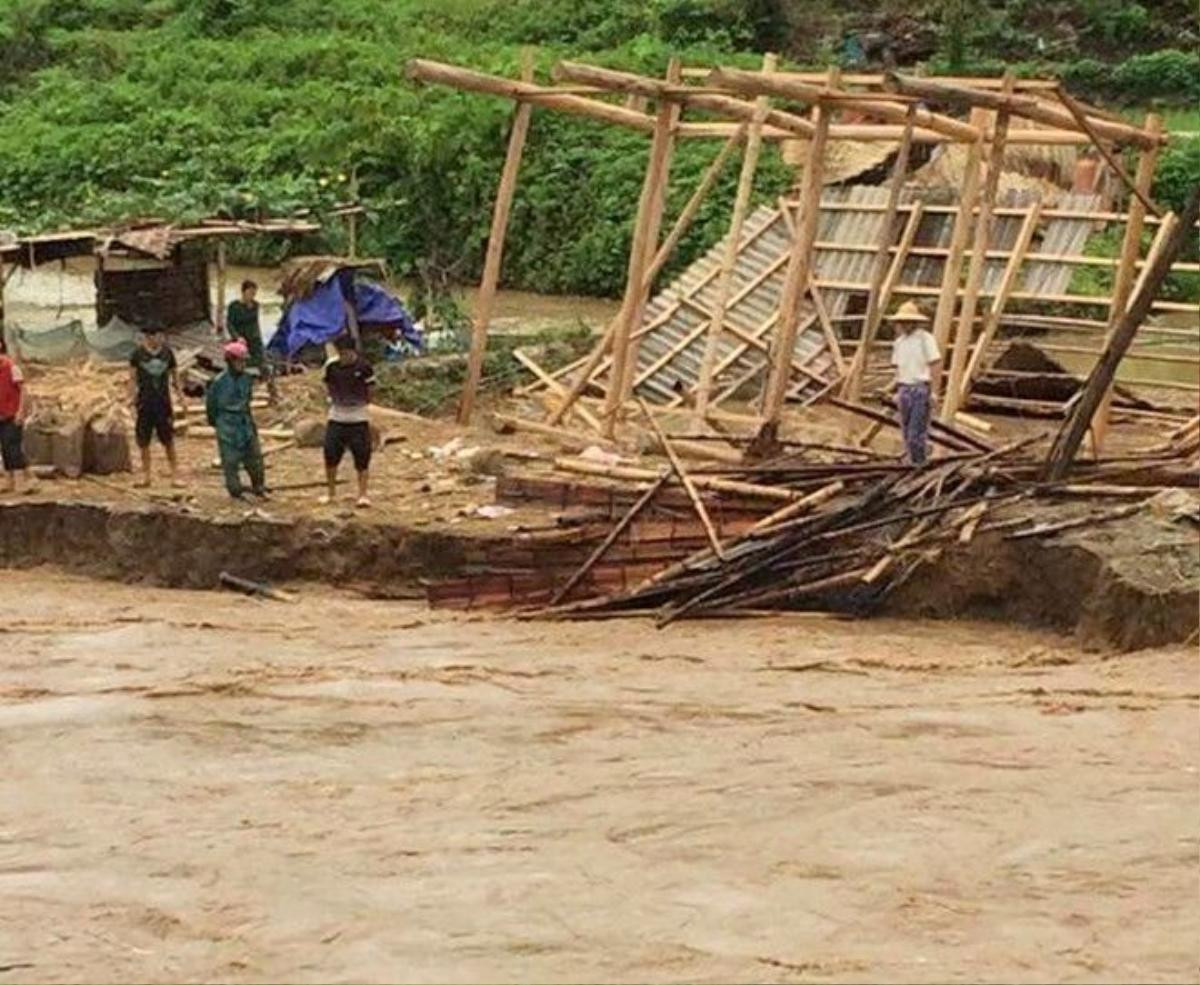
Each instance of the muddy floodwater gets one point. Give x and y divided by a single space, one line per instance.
202 787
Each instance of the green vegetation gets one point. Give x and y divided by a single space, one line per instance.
183 108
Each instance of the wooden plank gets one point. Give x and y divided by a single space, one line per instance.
741 205
219 314
952 396
495 248
852 387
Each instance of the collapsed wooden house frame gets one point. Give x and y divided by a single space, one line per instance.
797 349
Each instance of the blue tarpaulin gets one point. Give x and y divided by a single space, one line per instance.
321 317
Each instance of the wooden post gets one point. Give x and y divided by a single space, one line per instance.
495 247
852 387
963 218
991 319
352 217
952 396
1126 273
645 237
799 271
1099 383
741 205
219 320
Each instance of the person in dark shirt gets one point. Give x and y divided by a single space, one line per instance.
242 322
348 380
153 374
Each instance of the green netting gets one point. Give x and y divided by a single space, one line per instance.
114 341
55 344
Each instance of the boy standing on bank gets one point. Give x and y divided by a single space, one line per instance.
348 380
918 373
153 374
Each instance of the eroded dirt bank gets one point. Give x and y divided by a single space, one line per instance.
1124 585
205 787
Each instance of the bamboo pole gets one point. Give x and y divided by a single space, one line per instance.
1099 383
952 397
219 315
963 217
685 480
754 84
741 205
1011 105
991 319
553 385
799 271
852 387
352 216
495 247
1123 281
645 237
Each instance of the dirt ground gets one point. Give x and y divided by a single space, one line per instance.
205 787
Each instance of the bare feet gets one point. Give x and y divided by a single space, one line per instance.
362 502
143 483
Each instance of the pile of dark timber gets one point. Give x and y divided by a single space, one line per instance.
857 530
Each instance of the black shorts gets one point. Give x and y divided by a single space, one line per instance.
12 436
154 419
357 437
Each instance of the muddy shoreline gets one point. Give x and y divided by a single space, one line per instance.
1130 585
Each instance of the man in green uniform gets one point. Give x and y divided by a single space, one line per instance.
228 407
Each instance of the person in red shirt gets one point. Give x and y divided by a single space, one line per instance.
14 408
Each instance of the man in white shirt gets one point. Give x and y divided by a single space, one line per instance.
918 371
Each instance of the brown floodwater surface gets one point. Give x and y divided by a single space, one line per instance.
203 787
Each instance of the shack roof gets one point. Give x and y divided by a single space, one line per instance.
150 238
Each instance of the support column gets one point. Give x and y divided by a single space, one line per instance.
495 247
952 398
1126 273
963 219
741 205
799 271
645 238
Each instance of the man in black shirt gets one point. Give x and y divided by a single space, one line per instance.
152 377
348 379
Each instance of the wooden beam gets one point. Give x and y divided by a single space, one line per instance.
495 248
439 73
1131 247
645 238
799 270
1030 109
754 84
1099 382
741 205
952 395
991 320
553 385
852 386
